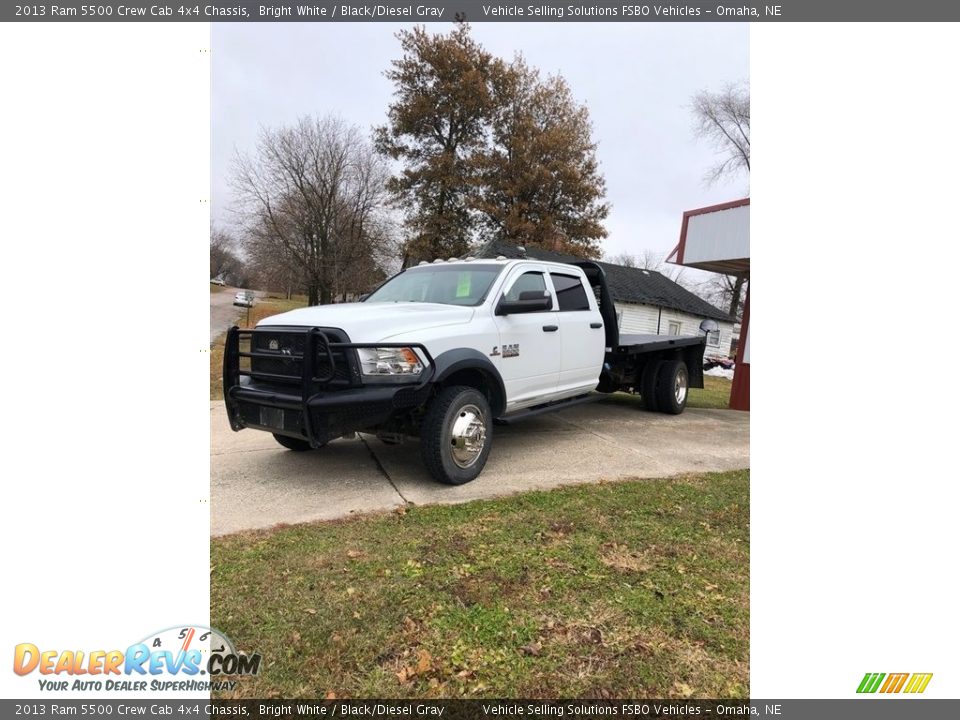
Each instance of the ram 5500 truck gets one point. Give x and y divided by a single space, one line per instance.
445 350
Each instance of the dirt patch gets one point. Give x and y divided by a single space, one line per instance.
620 557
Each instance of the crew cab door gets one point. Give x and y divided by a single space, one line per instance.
529 353
582 339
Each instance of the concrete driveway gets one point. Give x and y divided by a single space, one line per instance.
254 483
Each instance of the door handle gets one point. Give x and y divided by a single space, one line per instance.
596 326
550 328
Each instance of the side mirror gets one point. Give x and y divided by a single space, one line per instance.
709 326
529 301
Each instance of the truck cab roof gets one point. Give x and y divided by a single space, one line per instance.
500 260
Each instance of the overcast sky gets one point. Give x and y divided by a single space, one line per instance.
636 79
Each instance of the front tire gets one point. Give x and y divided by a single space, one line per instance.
673 385
292 443
456 435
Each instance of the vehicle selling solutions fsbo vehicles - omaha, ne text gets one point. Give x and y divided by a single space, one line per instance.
442 350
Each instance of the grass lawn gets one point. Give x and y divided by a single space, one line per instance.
630 589
261 309
715 393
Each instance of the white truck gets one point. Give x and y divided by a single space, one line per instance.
444 351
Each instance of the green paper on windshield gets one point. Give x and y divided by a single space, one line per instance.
463 285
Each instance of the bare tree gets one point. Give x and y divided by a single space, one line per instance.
225 260
725 291
723 119
271 262
314 193
650 260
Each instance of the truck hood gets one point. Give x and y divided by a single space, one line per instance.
372 322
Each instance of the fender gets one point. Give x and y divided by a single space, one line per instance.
452 361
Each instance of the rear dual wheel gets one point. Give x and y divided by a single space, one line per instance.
664 386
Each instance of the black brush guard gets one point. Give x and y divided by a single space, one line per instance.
327 400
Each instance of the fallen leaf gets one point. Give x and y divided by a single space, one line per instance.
351 591
594 636
424 661
682 689
331 695
310 611
354 554
532 649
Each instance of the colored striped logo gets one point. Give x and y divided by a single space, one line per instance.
894 682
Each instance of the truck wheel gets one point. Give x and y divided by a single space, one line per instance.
672 385
292 443
456 434
648 385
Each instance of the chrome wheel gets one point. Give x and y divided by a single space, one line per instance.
468 435
680 387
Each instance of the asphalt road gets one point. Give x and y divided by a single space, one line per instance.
254 483
222 312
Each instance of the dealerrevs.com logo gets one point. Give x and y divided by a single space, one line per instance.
182 658
910 683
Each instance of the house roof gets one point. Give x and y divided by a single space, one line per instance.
627 284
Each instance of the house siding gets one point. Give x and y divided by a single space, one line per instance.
642 319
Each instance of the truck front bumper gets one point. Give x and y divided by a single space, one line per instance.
311 407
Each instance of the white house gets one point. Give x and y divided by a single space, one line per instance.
646 301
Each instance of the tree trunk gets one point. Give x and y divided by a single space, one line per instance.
313 293
735 294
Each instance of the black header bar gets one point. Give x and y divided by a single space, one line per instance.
487 11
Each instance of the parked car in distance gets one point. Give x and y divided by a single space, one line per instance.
244 298
217 281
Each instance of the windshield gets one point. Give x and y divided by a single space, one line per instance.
449 285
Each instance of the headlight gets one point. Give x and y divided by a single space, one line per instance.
390 362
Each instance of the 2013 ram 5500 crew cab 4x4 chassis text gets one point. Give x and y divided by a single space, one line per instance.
443 350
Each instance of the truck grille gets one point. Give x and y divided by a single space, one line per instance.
285 348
